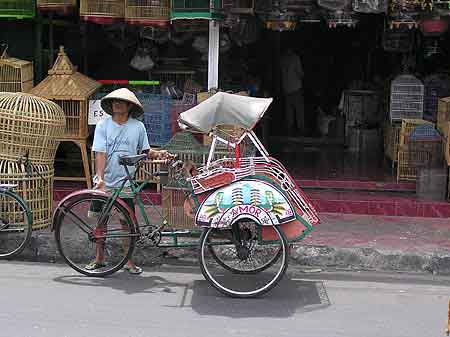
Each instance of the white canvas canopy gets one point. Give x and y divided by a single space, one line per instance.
225 109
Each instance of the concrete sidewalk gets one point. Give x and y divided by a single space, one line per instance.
341 241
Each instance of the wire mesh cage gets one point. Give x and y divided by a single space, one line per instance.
238 6
15 75
196 9
147 12
362 107
406 98
29 124
102 11
175 207
157 117
436 86
443 115
392 140
61 6
36 189
370 6
177 76
398 40
18 9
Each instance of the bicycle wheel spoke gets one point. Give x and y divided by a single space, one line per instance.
15 230
245 268
108 243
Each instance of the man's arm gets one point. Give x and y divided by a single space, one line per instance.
100 164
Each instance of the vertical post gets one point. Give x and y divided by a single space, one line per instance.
38 48
213 54
50 39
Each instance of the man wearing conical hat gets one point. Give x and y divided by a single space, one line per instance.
121 134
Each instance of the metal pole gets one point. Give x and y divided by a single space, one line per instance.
213 55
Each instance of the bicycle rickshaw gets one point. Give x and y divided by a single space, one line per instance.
248 207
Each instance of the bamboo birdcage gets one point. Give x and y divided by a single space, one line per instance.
62 6
71 90
29 124
102 11
443 115
18 9
36 189
15 75
147 12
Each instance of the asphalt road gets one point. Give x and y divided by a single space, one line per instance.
52 300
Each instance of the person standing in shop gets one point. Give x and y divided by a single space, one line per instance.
292 89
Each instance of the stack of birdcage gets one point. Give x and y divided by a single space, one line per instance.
30 128
420 147
406 102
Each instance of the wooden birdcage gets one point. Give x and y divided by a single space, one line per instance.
147 12
196 9
15 75
29 125
71 90
102 11
59 6
17 9
36 189
443 115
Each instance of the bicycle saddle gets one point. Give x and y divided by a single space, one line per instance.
131 160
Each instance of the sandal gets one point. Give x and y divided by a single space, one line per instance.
93 265
133 270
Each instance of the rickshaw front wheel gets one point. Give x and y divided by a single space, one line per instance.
221 272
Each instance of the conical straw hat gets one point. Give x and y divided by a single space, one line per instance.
125 95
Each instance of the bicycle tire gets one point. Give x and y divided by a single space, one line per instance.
28 222
243 294
58 223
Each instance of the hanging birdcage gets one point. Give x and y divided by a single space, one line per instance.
398 40
436 86
18 9
59 6
196 9
407 98
370 6
238 6
147 12
15 75
102 11
341 18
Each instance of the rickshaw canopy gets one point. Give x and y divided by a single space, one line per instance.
225 109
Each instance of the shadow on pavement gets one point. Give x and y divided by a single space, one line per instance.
286 299
124 282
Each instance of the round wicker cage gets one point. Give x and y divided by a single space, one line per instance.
29 124
36 189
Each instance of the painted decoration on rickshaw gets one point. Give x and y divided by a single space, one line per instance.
253 198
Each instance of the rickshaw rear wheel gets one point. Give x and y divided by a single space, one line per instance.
251 284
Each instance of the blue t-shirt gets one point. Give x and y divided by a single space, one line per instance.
117 140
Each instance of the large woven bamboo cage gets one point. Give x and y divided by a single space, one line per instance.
173 208
147 12
15 75
59 6
29 124
71 90
102 11
36 189
17 9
